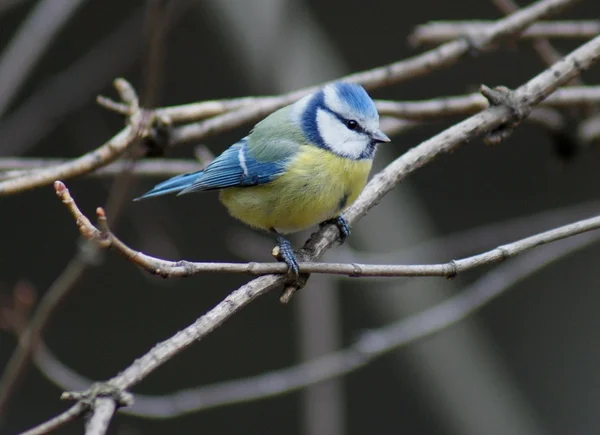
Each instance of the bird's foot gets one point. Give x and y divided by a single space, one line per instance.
342 226
284 252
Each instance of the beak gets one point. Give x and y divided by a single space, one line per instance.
379 136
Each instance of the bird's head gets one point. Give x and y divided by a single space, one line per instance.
342 118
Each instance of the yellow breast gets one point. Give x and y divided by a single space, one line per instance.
318 185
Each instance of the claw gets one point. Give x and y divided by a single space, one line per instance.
284 252
342 226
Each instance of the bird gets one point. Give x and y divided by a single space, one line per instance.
302 165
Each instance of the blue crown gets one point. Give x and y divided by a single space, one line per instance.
357 98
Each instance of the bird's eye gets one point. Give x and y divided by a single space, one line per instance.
351 124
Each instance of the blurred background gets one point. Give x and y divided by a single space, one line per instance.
527 363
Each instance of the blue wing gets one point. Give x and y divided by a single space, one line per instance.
234 168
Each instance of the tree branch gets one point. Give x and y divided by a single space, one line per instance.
104 409
443 56
415 110
436 32
139 123
18 167
169 269
371 345
423 110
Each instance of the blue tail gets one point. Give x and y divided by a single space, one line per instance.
172 185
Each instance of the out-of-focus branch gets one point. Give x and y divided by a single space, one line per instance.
414 110
589 130
29 337
444 55
19 167
541 45
139 124
475 102
57 97
441 31
167 269
29 43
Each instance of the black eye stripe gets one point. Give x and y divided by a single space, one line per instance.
358 129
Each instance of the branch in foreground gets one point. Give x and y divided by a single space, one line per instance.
442 31
168 269
369 346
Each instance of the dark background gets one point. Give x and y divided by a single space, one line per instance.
530 358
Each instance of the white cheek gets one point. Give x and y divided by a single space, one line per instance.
338 138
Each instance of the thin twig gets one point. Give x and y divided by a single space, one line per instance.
473 103
168 269
415 110
13 167
139 123
436 32
541 45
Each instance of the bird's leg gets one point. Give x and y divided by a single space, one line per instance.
285 253
342 226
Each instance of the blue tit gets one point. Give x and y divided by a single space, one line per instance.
302 165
